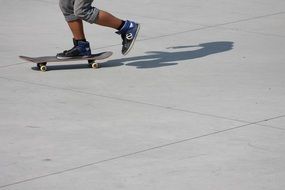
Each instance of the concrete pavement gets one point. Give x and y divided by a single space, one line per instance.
198 104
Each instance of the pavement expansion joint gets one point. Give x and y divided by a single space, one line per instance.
140 152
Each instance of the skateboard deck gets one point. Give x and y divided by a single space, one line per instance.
43 60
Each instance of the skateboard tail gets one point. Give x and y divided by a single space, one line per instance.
25 58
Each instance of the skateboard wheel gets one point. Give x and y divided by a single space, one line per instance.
43 68
95 65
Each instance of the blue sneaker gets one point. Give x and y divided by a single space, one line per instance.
129 33
81 49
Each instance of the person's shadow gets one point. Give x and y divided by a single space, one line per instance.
154 59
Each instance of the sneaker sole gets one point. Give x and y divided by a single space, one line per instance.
133 42
77 57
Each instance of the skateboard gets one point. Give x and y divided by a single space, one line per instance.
42 61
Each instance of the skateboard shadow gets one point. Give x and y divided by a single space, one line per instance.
155 59
52 67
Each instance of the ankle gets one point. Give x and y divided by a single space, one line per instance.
122 25
75 41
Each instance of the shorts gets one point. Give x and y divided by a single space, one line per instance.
79 9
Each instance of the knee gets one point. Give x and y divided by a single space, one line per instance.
81 13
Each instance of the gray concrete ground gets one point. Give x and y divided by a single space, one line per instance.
198 104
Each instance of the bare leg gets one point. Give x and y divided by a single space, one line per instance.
107 19
77 29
